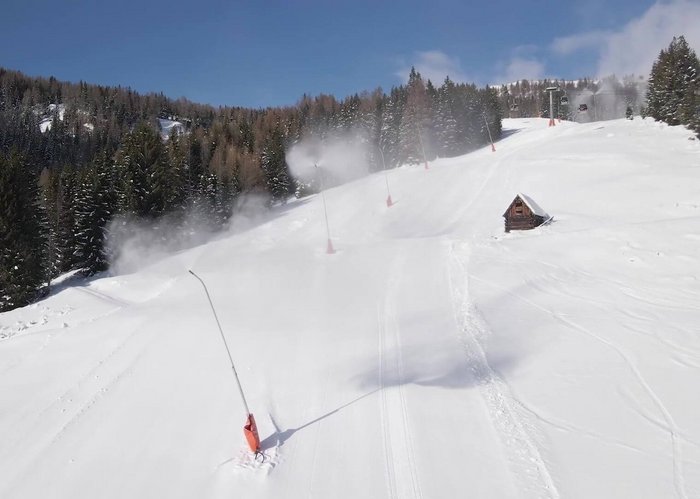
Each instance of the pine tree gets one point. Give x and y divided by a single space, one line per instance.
446 123
674 79
142 173
66 244
92 212
22 260
392 117
274 165
415 121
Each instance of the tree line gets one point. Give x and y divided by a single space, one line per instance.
581 100
75 158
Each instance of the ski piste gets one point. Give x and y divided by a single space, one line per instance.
432 355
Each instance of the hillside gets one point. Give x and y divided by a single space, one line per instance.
432 356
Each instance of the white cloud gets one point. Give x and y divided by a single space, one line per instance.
435 65
635 47
568 44
522 68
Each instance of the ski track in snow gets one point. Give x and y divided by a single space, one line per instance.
317 438
570 428
527 465
77 401
400 459
669 426
386 436
102 296
545 283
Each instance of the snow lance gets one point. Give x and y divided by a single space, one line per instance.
250 429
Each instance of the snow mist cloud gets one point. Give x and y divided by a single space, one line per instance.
634 48
134 244
338 159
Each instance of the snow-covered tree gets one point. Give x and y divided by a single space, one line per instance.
23 269
672 94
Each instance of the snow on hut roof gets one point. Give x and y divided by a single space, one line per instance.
534 207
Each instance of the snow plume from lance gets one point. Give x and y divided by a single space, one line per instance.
340 159
609 100
134 244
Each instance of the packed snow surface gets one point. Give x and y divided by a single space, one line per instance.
431 356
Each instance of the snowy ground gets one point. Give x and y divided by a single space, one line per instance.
432 356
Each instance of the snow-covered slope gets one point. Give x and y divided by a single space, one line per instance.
167 127
432 356
58 110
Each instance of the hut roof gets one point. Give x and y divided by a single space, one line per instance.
534 207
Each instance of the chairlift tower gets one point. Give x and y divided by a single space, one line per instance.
551 91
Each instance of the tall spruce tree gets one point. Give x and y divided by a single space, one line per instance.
415 122
446 123
22 259
274 165
93 209
672 94
394 107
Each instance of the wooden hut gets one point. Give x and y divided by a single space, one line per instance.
523 214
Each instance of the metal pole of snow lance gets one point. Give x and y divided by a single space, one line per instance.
488 129
250 429
389 201
329 247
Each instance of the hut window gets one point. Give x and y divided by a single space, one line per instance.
518 208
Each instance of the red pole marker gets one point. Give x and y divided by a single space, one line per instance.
250 430
389 202
329 249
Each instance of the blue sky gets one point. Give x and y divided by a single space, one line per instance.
268 53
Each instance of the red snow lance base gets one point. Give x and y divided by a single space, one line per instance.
251 434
